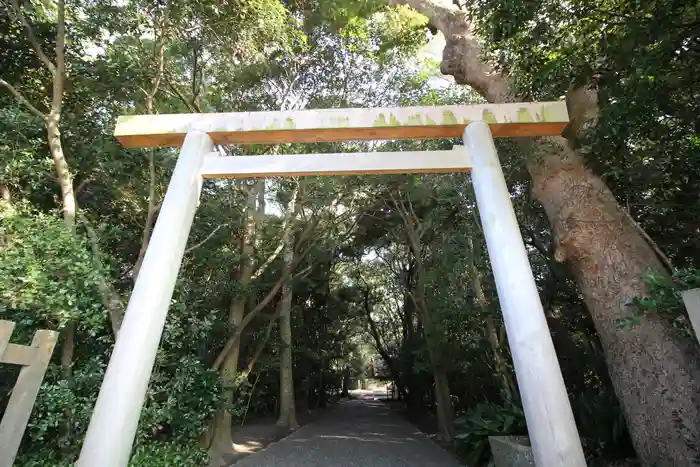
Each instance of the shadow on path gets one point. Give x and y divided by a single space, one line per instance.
356 433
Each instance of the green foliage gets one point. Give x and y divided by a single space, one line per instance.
400 29
46 271
640 57
183 395
266 54
601 424
664 296
474 427
168 454
59 397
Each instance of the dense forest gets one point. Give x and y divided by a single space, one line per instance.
290 287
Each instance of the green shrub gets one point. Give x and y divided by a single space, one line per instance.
474 427
168 454
664 296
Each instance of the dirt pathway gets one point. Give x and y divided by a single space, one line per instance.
355 433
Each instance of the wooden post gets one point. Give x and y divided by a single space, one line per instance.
34 359
550 421
691 300
114 421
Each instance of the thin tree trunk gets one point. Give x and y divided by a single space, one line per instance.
345 391
259 349
490 331
63 174
150 213
655 373
5 194
159 58
445 411
287 417
379 345
68 203
443 401
222 425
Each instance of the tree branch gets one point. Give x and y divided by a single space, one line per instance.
60 70
233 339
150 214
110 298
83 184
22 100
286 226
16 14
206 239
175 90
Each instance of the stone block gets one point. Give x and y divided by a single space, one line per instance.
511 451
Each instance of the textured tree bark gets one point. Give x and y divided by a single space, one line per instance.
655 373
63 175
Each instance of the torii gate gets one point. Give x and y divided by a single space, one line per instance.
550 421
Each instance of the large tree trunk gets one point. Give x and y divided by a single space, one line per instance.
655 374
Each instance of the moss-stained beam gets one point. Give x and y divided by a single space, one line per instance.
516 119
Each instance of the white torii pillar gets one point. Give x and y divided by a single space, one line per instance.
550 421
115 418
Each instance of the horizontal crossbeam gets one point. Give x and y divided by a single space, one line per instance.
455 160
325 125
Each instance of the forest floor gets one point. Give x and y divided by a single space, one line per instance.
359 432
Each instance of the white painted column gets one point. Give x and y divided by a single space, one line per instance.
550 421
114 421
691 300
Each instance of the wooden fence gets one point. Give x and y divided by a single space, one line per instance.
34 360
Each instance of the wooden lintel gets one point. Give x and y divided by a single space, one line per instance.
18 355
455 160
304 126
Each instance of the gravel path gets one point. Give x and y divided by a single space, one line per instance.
357 433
